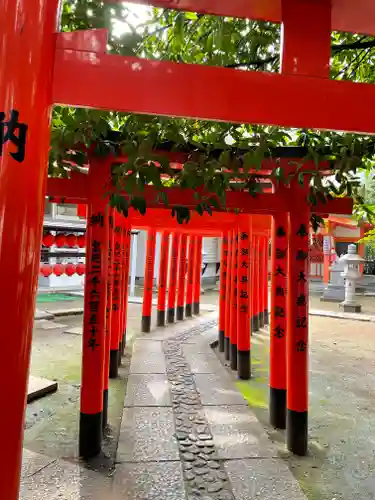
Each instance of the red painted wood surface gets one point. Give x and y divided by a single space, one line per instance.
191 270
243 300
149 273
354 17
223 281
172 285
159 87
163 270
264 204
26 57
94 318
278 313
182 272
198 272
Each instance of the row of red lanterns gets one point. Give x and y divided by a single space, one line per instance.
59 269
61 240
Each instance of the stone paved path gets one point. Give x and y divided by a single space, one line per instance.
186 433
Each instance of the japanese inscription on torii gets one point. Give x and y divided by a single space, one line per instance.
8 131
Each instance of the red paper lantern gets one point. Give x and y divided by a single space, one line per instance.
58 269
60 240
46 270
48 239
81 241
71 240
80 269
70 269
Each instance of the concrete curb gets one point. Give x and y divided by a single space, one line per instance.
56 313
341 315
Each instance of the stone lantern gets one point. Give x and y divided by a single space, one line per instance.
351 274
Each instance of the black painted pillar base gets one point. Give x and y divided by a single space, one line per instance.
261 320
244 365
227 348
233 356
105 408
278 408
90 434
146 324
297 432
113 363
221 341
170 315
160 318
255 323
196 308
188 310
180 313
266 317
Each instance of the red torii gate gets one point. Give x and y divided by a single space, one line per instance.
39 68
246 283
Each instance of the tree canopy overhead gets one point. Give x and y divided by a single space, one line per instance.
201 39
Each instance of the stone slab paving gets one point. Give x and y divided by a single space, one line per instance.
237 433
66 481
148 390
217 389
200 425
147 363
151 481
33 463
186 434
75 330
147 435
267 479
39 387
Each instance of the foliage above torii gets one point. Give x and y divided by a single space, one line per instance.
200 39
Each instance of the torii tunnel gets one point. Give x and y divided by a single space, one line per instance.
40 67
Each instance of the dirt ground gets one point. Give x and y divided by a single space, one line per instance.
341 463
51 426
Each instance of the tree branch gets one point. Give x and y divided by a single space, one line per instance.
258 63
353 46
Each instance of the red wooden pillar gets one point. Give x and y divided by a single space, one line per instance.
148 280
172 286
181 278
258 289
125 283
243 302
121 290
233 303
114 353
265 289
297 332
190 276
93 346
108 323
26 62
279 266
163 274
228 309
197 277
223 289
261 281
306 51
254 284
